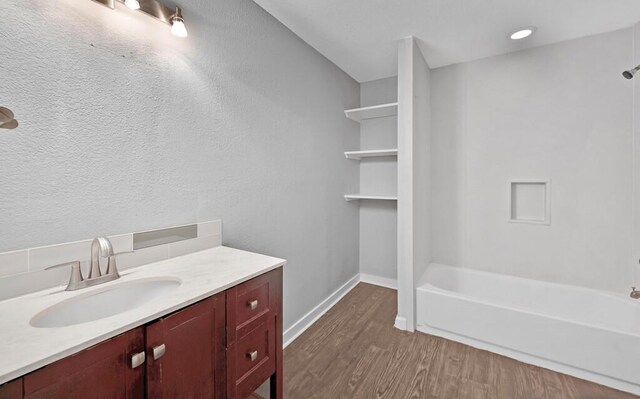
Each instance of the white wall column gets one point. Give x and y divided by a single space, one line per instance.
413 176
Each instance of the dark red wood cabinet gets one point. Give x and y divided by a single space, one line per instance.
224 346
11 390
103 370
186 352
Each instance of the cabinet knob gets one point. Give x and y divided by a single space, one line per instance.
138 359
252 355
158 351
253 304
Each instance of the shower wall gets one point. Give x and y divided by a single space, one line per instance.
562 113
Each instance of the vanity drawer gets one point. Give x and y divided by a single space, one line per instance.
251 301
255 350
254 358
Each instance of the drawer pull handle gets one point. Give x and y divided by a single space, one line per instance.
159 351
138 359
253 305
252 355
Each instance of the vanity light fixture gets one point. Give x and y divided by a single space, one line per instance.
132 4
154 8
522 33
177 24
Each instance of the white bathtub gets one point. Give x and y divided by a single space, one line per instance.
586 333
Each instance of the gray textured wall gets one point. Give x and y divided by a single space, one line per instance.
125 128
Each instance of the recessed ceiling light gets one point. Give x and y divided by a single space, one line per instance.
522 33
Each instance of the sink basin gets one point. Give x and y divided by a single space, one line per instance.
105 302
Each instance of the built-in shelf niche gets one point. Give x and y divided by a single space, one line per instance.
364 113
530 201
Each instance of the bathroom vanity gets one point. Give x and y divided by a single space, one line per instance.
219 336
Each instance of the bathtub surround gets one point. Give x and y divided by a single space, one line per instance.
124 127
562 113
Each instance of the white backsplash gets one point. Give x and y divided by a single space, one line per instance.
14 262
22 272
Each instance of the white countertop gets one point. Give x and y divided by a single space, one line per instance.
24 348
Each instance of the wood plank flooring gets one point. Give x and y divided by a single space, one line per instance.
354 352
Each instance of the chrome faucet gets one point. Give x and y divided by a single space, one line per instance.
100 247
635 294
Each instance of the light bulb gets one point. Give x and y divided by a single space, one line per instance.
178 28
132 4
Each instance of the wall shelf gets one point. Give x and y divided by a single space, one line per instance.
358 155
374 111
355 197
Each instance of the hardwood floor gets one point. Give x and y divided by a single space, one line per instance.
354 352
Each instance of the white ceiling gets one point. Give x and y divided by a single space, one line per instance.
360 35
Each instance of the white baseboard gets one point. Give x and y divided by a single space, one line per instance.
401 323
314 314
377 280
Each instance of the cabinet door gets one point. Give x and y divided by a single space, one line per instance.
186 352
11 390
104 370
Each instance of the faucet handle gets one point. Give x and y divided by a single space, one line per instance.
76 273
58 266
